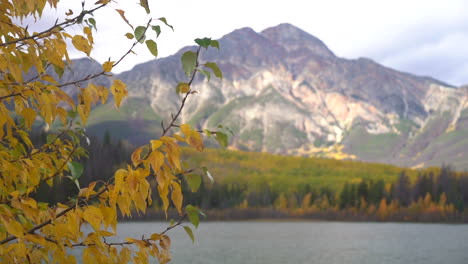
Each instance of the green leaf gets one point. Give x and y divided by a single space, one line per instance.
152 46
144 4
214 67
206 73
92 22
140 34
192 214
194 182
76 169
189 232
222 139
207 132
204 42
189 62
163 19
75 181
58 70
50 138
157 29
129 35
208 174
214 44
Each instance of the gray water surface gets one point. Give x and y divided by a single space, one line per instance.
313 242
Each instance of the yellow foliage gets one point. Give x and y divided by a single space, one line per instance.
119 91
36 232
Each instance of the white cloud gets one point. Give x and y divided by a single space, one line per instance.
418 36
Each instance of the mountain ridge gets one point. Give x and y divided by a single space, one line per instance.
285 92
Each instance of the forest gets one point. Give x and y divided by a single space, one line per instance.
250 185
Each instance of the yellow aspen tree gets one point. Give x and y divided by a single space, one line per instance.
36 232
443 200
306 201
427 200
382 212
281 202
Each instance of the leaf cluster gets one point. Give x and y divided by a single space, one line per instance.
37 232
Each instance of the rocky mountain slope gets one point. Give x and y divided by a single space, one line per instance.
285 92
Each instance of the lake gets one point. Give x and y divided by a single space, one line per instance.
313 242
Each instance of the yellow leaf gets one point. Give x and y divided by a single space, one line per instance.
139 201
62 113
119 91
185 128
85 98
81 44
183 87
83 113
176 196
125 255
156 159
29 201
107 66
181 139
110 217
122 14
15 194
62 96
192 137
93 91
29 116
131 240
93 216
36 239
66 35
89 34
13 227
124 205
105 233
103 94
136 159
90 190
155 144
120 179
155 236
165 242
163 192
49 78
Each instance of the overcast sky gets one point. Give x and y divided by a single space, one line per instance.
424 37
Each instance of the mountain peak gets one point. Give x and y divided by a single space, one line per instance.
294 39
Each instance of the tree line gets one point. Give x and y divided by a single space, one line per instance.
435 194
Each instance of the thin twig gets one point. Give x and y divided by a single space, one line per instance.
92 76
62 26
181 220
176 116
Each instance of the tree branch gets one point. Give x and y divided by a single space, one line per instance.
181 220
176 116
92 76
62 213
62 26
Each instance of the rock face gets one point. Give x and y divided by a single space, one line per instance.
285 92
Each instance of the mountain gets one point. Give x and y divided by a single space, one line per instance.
284 91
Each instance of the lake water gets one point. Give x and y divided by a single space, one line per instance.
313 242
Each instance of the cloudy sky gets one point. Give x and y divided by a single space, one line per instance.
424 37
